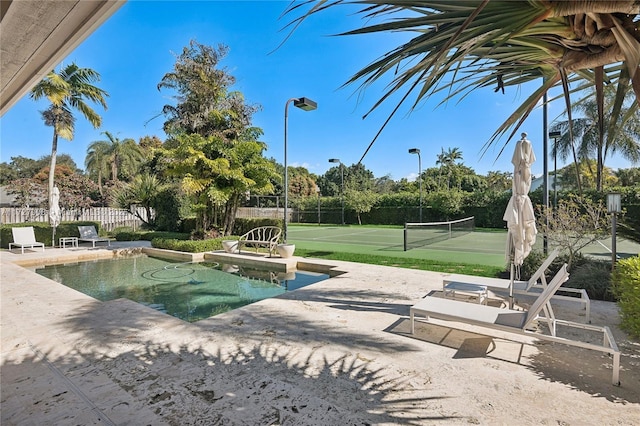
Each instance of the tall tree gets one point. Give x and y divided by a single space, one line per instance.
205 105
213 145
124 156
217 174
447 160
114 158
594 142
459 47
67 90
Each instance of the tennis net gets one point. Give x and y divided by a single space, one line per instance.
422 234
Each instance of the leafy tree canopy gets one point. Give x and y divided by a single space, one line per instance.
205 104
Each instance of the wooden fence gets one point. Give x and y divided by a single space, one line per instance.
108 217
261 212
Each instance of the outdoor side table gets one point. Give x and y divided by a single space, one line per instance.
477 291
73 241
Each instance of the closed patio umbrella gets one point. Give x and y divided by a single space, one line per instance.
519 215
54 213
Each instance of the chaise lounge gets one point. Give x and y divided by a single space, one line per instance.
24 237
515 321
532 287
89 233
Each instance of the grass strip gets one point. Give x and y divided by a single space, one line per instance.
401 262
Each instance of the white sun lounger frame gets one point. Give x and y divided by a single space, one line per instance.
532 287
518 322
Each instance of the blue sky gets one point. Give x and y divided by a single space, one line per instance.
135 48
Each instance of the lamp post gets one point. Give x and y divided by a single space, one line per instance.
336 160
417 151
318 193
613 207
305 104
555 135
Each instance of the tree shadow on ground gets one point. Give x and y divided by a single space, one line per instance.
582 369
183 374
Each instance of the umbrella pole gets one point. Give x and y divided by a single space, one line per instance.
511 279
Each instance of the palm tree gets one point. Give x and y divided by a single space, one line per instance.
97 161
141 191
452 155
123 156
441 161
499 181
68 90
622 136
460 47
448 159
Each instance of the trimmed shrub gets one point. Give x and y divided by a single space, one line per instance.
586 273
190 246
626 287
149 235
188 225
593 276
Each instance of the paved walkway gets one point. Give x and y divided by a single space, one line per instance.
337 352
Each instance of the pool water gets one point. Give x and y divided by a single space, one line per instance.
189 291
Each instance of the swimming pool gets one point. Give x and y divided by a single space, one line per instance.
189 291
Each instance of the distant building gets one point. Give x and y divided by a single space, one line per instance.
537 183
7 200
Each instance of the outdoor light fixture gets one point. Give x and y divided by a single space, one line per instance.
614 207
307 105
613 203
555 136
417 151
336 160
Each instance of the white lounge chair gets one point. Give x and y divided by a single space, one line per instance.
515 321
24 237
89 233
533 286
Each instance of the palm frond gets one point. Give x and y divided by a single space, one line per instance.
457 47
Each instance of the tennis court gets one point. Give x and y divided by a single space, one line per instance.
478 247
485 247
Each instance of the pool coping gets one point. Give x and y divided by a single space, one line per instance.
69 255
69 359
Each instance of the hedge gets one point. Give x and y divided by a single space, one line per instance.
149 235
191 246
44 232
626 287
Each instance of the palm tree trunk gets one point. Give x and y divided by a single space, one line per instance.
52 167
577 165
114 170
599 170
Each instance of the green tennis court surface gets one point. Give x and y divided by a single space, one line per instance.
477 247
484 247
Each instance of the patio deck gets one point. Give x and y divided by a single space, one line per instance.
336 352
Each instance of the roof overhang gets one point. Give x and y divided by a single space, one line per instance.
36 35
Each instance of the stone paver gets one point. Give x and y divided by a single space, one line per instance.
337 352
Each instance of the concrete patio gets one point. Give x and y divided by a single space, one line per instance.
337 352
